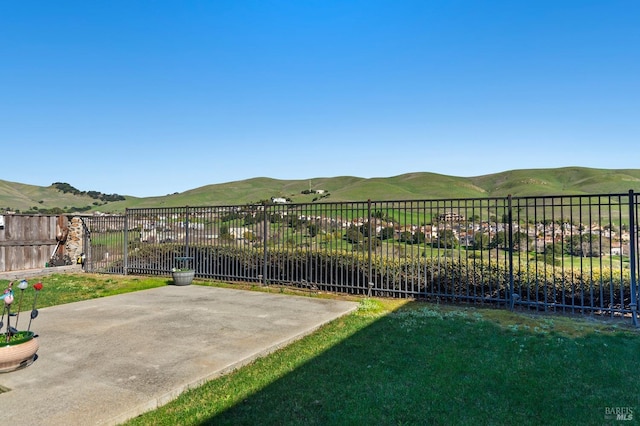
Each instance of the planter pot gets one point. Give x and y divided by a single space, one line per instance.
20 355
183 277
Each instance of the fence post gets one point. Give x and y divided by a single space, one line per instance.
369 266
125 243
265 228
86 244
511 295
633 304
186 233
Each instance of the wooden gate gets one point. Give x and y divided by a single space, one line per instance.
32 241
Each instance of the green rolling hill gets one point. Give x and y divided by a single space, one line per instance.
410 186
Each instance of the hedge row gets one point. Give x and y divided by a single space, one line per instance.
534 284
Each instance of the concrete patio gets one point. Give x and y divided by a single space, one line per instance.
107 360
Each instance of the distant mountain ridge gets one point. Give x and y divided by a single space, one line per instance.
409 186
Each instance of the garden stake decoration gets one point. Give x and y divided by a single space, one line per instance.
22 285
17 348
8 300
4 309
34 312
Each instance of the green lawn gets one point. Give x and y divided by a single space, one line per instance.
421 364
66 288
404 363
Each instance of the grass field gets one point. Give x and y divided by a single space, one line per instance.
405 363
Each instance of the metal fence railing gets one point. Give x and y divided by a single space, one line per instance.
570 254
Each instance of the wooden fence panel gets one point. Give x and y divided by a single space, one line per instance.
29 241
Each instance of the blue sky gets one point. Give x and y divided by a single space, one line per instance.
148 98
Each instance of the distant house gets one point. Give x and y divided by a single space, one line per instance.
451 217
278 200
238 233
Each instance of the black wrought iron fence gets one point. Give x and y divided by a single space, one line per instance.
572 254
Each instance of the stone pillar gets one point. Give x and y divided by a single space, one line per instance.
74 245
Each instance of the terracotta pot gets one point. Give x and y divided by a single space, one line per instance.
14 357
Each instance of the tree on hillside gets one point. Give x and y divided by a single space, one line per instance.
499 240
387 233
65 188
446 239
481 240
313 229
521 241
585 245
364 228
354 236
412 238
